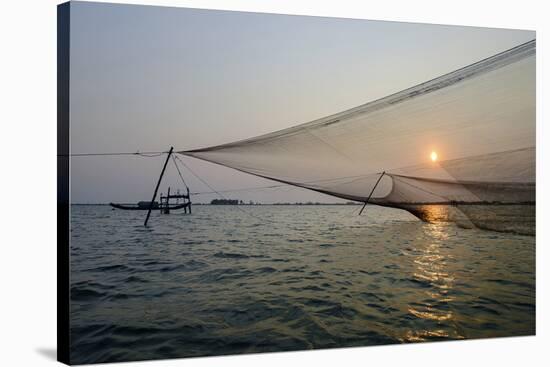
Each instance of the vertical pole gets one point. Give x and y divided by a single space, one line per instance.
167 210
157 188
372 191
188 200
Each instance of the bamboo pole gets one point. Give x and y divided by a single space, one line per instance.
157 188
372 191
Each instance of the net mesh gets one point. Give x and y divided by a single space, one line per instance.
480 120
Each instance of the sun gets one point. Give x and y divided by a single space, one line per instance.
433 156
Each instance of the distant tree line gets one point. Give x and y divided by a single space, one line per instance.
226 202
240 202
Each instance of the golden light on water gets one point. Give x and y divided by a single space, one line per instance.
433 156
430 263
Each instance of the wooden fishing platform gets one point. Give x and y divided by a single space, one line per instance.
166 204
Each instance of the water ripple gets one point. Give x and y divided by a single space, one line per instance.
220 282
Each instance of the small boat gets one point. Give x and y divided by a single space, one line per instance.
164 205
144 205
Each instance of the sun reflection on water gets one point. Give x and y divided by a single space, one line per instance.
433 314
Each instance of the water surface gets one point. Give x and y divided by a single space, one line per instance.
225 281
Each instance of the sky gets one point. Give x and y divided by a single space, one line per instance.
145 78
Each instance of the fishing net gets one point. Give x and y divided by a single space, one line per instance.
479 120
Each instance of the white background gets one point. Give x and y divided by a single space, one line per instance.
28 165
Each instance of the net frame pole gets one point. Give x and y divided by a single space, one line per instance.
157 187
372 191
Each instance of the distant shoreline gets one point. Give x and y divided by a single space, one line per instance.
255 204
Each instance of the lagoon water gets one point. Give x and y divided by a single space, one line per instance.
273 278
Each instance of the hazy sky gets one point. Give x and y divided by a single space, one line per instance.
146 78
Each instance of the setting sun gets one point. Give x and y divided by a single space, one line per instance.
433 156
